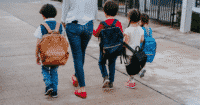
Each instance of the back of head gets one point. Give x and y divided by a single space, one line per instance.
48 11
110 8
144 19
134 15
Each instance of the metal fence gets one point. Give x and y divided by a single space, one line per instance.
167 11
164 10
197 4
124 5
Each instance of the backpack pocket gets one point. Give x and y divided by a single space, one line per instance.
112 51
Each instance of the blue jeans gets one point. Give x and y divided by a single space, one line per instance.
79 36
111 65
50 77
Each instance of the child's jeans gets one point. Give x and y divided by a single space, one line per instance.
111 65
50 76
79 36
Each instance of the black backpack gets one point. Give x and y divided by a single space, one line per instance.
111 40
137 61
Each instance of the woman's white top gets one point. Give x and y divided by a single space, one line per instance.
135 34
81 10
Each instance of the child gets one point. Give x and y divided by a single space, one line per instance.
110 9
144 24
48 12
134 35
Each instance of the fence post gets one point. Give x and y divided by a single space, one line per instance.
186 15
172 13
158 12
126 7
142 5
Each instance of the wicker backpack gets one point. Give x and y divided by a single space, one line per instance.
53 47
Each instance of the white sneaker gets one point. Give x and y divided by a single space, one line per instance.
142 73
131 84
106 83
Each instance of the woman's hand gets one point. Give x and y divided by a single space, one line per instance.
63 24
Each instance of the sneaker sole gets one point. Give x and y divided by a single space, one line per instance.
48 92
130 87
142 74
54 96
105 84
81 97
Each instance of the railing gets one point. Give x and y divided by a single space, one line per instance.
197 4
163 10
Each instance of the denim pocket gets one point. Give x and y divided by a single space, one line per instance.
89 27
73 28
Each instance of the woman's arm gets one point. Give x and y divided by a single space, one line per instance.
65 9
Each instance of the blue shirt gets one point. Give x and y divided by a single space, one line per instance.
41 30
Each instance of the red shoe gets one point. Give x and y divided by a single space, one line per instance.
75 82
80 94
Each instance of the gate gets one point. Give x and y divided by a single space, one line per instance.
124 5
167 11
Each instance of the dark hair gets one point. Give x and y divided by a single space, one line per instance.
48 10
110 8
134 15
144 19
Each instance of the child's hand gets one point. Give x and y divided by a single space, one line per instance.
63 24
38 61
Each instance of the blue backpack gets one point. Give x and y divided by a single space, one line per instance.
150 44
111 40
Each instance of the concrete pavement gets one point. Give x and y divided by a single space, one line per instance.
173 77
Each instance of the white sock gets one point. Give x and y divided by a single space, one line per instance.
131 78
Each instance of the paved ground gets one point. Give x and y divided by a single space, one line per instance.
173 77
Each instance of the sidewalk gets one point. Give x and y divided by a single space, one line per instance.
172 79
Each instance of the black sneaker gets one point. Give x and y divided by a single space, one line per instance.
105 82
48 90
111 85
54 94
142 74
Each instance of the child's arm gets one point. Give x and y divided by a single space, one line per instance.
37 51
98 30
142 39
126 38
142 35
38 35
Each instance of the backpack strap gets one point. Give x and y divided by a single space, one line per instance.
147 31
127 46
57 27
105 24
47 27
114 22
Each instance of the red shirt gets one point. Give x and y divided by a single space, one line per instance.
109 22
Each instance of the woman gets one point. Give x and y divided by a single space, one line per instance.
78 16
